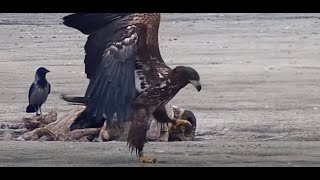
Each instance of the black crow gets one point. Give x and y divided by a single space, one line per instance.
39 91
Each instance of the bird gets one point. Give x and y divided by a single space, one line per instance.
38 91
128 79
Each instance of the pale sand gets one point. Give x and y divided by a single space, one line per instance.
259 106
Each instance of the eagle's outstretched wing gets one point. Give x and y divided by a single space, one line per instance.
120 49
104 29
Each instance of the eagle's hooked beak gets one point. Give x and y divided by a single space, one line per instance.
196 84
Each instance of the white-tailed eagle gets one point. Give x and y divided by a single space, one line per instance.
129 81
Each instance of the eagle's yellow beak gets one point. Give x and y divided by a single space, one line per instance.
196 84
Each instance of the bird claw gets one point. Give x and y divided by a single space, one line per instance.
146 159
181 122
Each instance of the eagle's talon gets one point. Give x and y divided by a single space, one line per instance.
146 159
181 122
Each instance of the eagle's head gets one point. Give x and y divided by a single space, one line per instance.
188 75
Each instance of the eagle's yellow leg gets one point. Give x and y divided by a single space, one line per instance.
146 159
181 122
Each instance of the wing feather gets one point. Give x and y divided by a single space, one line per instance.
117 47
106 28
114 90
31 89
49 88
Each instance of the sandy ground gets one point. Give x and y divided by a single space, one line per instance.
259 106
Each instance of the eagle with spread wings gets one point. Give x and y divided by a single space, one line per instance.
129 81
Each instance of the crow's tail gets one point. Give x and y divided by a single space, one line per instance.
31 109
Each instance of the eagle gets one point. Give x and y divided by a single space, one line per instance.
128 79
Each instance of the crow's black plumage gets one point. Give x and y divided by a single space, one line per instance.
39 91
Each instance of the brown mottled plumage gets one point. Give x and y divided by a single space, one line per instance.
129 81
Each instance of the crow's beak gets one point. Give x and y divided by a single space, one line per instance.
196 84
